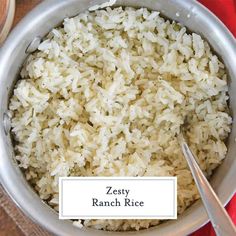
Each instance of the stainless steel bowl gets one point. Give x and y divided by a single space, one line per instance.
37 24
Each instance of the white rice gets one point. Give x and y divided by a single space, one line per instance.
106 94
103 5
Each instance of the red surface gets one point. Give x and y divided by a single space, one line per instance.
226 12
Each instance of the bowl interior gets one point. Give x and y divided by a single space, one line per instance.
37 24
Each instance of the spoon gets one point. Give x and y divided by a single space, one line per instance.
220 220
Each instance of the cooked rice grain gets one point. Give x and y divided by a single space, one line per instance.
105 94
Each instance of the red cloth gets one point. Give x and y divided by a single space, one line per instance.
225 10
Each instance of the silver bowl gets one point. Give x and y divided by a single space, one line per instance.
36 25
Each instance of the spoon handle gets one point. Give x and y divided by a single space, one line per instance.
220 220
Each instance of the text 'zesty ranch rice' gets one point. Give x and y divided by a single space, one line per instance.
105 94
